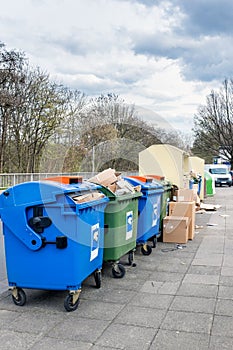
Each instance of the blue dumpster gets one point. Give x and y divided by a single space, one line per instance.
149 207
54 237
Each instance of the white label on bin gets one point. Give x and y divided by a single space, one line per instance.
155 214
129 225
95 238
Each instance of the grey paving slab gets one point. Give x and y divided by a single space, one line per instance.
223 343
228 261
193 304
141 316
7 317
10 340
127 337
199 290
81 329
180 267
158 301
109 294
170 340
166 276
98 310
212 259
227 271
99 347
226 281
188 322
201 279
35 323
155 287
204 270
225 292
223 326
47 343
224 307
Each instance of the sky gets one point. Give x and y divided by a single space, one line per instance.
164 56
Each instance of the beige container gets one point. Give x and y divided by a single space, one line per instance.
165 160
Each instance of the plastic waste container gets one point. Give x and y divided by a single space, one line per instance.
209 184
197 182
149 208
120 222
166 196
53 235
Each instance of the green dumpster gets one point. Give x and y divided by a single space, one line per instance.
120 223
165 198
209 184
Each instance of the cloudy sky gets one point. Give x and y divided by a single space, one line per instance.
164 56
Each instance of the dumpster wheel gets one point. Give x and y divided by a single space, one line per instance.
97 277
18 296
118 270
71 302
154 241
146 249
131 258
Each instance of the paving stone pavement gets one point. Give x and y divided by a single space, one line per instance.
173 299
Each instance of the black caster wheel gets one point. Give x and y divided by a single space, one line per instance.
118 271
130 258
69 303
154 241
146 249
19 298
97 276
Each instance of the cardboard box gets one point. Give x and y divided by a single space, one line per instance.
183 195
112 187
184 209
105 178
175 229
93 196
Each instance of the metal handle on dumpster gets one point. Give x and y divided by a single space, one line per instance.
61 242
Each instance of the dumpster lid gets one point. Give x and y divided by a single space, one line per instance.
160 179
146 183
37 192
71 179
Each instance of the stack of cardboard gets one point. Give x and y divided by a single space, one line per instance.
114 182
88 197
179 225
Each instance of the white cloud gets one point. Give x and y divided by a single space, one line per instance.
141 51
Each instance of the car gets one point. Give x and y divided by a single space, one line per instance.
220 173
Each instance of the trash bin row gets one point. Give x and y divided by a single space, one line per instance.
58 231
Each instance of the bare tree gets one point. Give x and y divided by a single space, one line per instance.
116 133
31 108
11 64
214 124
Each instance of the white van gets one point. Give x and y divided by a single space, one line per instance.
221 174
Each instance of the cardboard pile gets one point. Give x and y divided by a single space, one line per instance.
88 197
114 182
179 225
